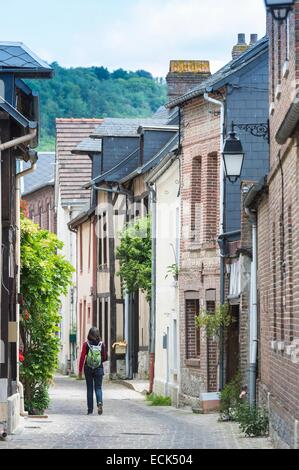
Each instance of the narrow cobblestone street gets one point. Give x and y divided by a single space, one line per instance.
127 423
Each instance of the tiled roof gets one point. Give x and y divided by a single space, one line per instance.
118 127
15 56
42 176
219 78
88 146
73 170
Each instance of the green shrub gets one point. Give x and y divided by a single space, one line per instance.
39 402
45 276
158 400
230 399
253 421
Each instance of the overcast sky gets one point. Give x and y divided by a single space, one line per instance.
132 34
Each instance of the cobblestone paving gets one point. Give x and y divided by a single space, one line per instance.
127 423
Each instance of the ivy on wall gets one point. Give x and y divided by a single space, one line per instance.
45 276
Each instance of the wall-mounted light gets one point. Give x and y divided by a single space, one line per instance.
233 157
279 8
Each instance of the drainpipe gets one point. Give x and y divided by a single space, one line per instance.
127 339
73 305
253 329
18 261
20 140
153 301
222 230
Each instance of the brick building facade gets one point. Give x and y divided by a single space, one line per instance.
241 87
41 207
277 205
278 222
199 260
39 192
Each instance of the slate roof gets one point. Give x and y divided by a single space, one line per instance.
219 79
88 146
72 169
121 170
43 175
16 57
16 115
161 113
118 127
170 147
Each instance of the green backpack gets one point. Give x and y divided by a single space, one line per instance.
94 356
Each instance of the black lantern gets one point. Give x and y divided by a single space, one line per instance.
279 8
233 157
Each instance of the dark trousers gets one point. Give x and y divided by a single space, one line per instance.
94 381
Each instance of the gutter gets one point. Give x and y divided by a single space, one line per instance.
255 192
152 351
161 169
289 123
20 140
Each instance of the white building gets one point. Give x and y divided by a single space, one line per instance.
166 183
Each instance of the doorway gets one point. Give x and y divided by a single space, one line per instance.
232 344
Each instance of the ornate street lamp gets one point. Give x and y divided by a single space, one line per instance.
279 8
233 153
233 157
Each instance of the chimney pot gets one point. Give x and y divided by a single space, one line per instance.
253 39
241 38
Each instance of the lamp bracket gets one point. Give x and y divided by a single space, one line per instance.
257 130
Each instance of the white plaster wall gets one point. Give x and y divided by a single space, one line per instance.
68 302
167 305
85 278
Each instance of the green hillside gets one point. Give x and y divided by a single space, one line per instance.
95 93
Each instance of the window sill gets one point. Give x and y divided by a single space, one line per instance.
193 363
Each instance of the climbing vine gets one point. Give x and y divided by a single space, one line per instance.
45 276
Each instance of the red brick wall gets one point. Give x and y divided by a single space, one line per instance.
278 245
41 206
199 251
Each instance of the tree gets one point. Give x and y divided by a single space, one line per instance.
135 255
45 276
95 92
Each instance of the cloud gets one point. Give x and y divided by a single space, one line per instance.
150 33
132 34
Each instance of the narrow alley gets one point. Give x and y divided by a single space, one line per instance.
127 423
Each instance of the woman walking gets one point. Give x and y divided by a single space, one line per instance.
93 356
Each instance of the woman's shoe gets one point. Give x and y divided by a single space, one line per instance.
89 413
100 408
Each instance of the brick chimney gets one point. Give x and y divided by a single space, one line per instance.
184 75
240 47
